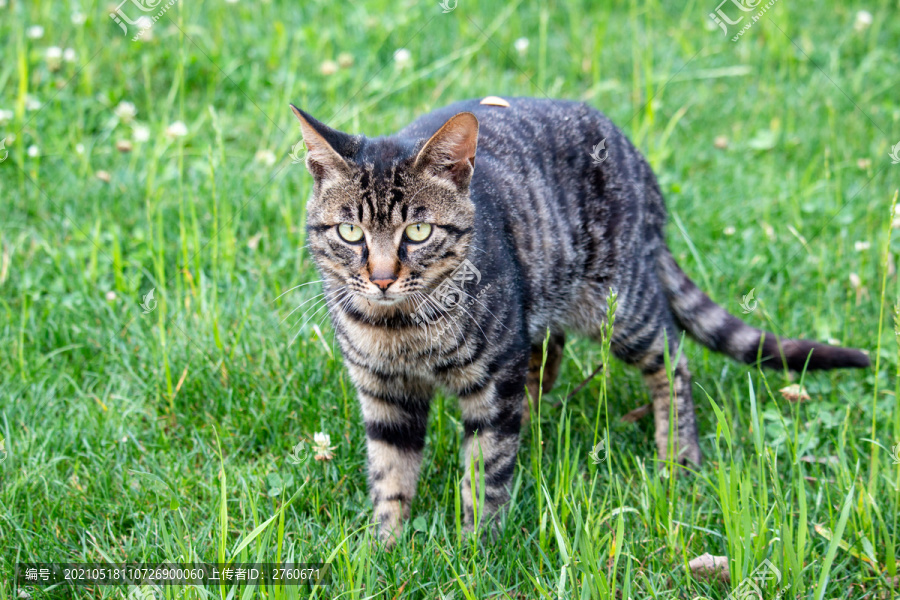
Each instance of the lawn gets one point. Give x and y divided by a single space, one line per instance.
149 429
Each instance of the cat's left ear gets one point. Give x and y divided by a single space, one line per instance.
326 147
450 153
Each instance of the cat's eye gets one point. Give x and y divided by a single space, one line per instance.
418 232
350 232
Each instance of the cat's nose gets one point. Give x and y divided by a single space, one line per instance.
383 278
383 281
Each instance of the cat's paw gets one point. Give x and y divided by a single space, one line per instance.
390 529
488 531
389 537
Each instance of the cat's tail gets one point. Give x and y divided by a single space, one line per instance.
716 328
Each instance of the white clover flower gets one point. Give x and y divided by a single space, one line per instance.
6 116
34 151
521 45
78 18
32 103
266 157
141 133
125 111
328 67
794 393
69 55
79 149
730 230
322 446
177 130
863 20
403 57
145 31
53 56
35 32
855 282
345 60
111 296
862 246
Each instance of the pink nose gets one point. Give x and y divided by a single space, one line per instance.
384 283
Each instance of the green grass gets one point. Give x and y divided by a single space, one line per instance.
165 436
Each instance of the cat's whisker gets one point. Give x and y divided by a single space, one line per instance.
299 306
300 330
327 296
463 308
428 337
296 287
453 322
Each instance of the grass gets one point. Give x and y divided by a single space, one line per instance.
166 436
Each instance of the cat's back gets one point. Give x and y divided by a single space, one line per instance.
527 127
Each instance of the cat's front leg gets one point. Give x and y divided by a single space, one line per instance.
395 411
492 416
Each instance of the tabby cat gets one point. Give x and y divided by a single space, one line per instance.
440 274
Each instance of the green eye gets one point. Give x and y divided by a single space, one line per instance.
418 232
350 232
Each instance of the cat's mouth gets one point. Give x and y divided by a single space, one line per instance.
385 300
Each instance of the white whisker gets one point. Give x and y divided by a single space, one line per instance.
299 306
297 286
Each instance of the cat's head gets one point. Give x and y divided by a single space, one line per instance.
389 218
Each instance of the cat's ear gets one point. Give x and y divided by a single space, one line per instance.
450 153
324 145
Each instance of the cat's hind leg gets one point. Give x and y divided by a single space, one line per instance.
642 341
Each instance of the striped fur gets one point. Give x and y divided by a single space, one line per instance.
532 239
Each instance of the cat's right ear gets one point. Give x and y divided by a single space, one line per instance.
324 146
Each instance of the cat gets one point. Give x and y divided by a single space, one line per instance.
440 274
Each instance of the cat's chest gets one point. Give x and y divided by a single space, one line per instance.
393 349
